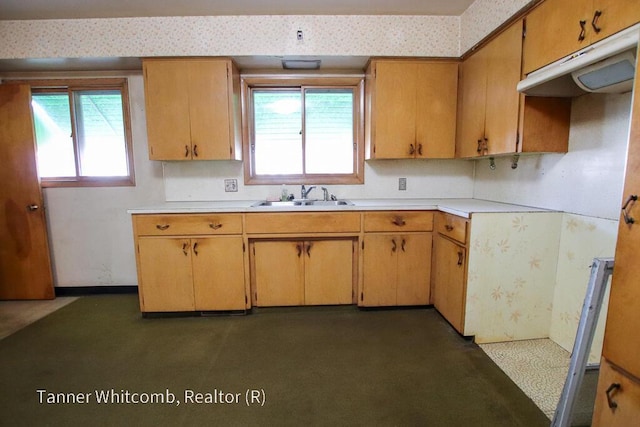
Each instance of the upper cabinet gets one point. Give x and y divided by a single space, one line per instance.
557 28
410 109
493 118
193 109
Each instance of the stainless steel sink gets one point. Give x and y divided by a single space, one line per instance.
301 202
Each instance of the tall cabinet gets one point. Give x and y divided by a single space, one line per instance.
618 395
192 109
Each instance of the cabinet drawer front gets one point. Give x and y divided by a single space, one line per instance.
398 221
180 224
302 222
452 226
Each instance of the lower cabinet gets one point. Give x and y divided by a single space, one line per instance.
449 268
188 263
396 269
617 398
303 272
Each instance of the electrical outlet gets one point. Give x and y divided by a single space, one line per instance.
230 185
402 184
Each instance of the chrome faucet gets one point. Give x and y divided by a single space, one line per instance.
305 192
325 194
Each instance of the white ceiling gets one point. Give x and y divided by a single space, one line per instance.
81 9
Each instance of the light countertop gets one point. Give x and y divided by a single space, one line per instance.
460 207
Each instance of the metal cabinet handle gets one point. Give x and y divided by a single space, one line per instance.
309 250
214 226
195 150
412 149
594 22
33 208
479 150
162 227
195 248
448 227
395 245
184 249
402 244
460 257
612 404
583 30
186 151
299 248
398 221
627 218
420 149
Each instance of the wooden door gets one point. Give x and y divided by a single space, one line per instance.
210 109
436 92
167 109
617 398
553 31
449 281
166 278
621 346
218 273
279 273
380 269
328 272
394 109
615 15
504 59
414 269
471 105
25 266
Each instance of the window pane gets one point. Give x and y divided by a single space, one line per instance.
101 137
329 131
277 128
52 122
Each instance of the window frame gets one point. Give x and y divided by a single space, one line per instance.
69 86
286 82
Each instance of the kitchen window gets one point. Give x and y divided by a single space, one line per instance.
303 132
83 134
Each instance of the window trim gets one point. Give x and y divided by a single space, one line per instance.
75 84
355 82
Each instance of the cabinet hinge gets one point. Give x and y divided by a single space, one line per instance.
363 245
361 296
243 247
230 151
246 300
374 149
256 296
524 28
517 141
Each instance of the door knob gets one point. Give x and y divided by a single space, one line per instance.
33 207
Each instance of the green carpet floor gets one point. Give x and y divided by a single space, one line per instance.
313 366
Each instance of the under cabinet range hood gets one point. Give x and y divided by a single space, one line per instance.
606 66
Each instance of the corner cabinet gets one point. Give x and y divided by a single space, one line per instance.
557 28
190 262
449 276
193 109
410 109
396 251
493 118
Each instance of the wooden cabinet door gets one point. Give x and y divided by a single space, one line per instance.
165 274
615 15
504 59
218 273
25 266
328 272
394 109
449 281
167 109
617 399
414 269
380 270
472 103
621 346
553 31
210 109
279 273
436 91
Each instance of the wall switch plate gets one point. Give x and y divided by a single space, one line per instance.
402 184
230 185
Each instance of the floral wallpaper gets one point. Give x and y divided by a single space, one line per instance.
582 239
511 275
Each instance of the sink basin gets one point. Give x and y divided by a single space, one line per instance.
301 202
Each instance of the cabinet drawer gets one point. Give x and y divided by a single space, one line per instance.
617 398
302 222
181 224
452 226
398 221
